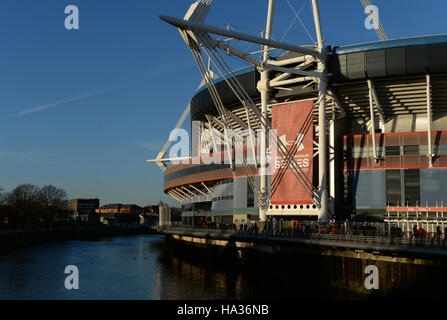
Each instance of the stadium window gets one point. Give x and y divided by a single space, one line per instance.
393 187
250 197
412 185
223 198
225 181
392 151
411 150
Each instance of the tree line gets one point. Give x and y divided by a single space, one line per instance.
28 205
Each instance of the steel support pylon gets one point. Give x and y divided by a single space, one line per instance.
264 88
322 152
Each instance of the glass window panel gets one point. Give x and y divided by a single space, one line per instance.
412 183
411 150
392 151
393 187
250 196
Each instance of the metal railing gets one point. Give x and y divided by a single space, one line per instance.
328 232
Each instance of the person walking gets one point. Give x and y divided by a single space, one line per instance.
438 234
256 229
414 235
421 233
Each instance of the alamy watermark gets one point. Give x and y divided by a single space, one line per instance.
210 146
72 20
72 280
372 20
372 280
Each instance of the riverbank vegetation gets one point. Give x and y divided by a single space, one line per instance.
30 206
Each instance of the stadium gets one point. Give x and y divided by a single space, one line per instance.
383 107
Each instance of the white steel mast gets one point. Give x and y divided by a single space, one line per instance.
264 88
196 35
322 83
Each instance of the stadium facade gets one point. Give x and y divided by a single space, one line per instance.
386 114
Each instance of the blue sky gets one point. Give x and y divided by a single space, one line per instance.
83 109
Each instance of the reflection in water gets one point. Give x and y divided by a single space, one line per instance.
144 267
134 267
141 267
183 280
118 268
179 279
189 274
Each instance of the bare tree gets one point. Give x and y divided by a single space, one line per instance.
3 211
24 201
2 196
53 197
53 201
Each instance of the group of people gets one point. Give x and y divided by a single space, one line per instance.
244 228
420 235
297 228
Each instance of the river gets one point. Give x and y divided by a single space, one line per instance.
142 267
128 267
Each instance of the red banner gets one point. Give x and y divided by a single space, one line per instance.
293 123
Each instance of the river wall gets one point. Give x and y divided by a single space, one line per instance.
311 274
